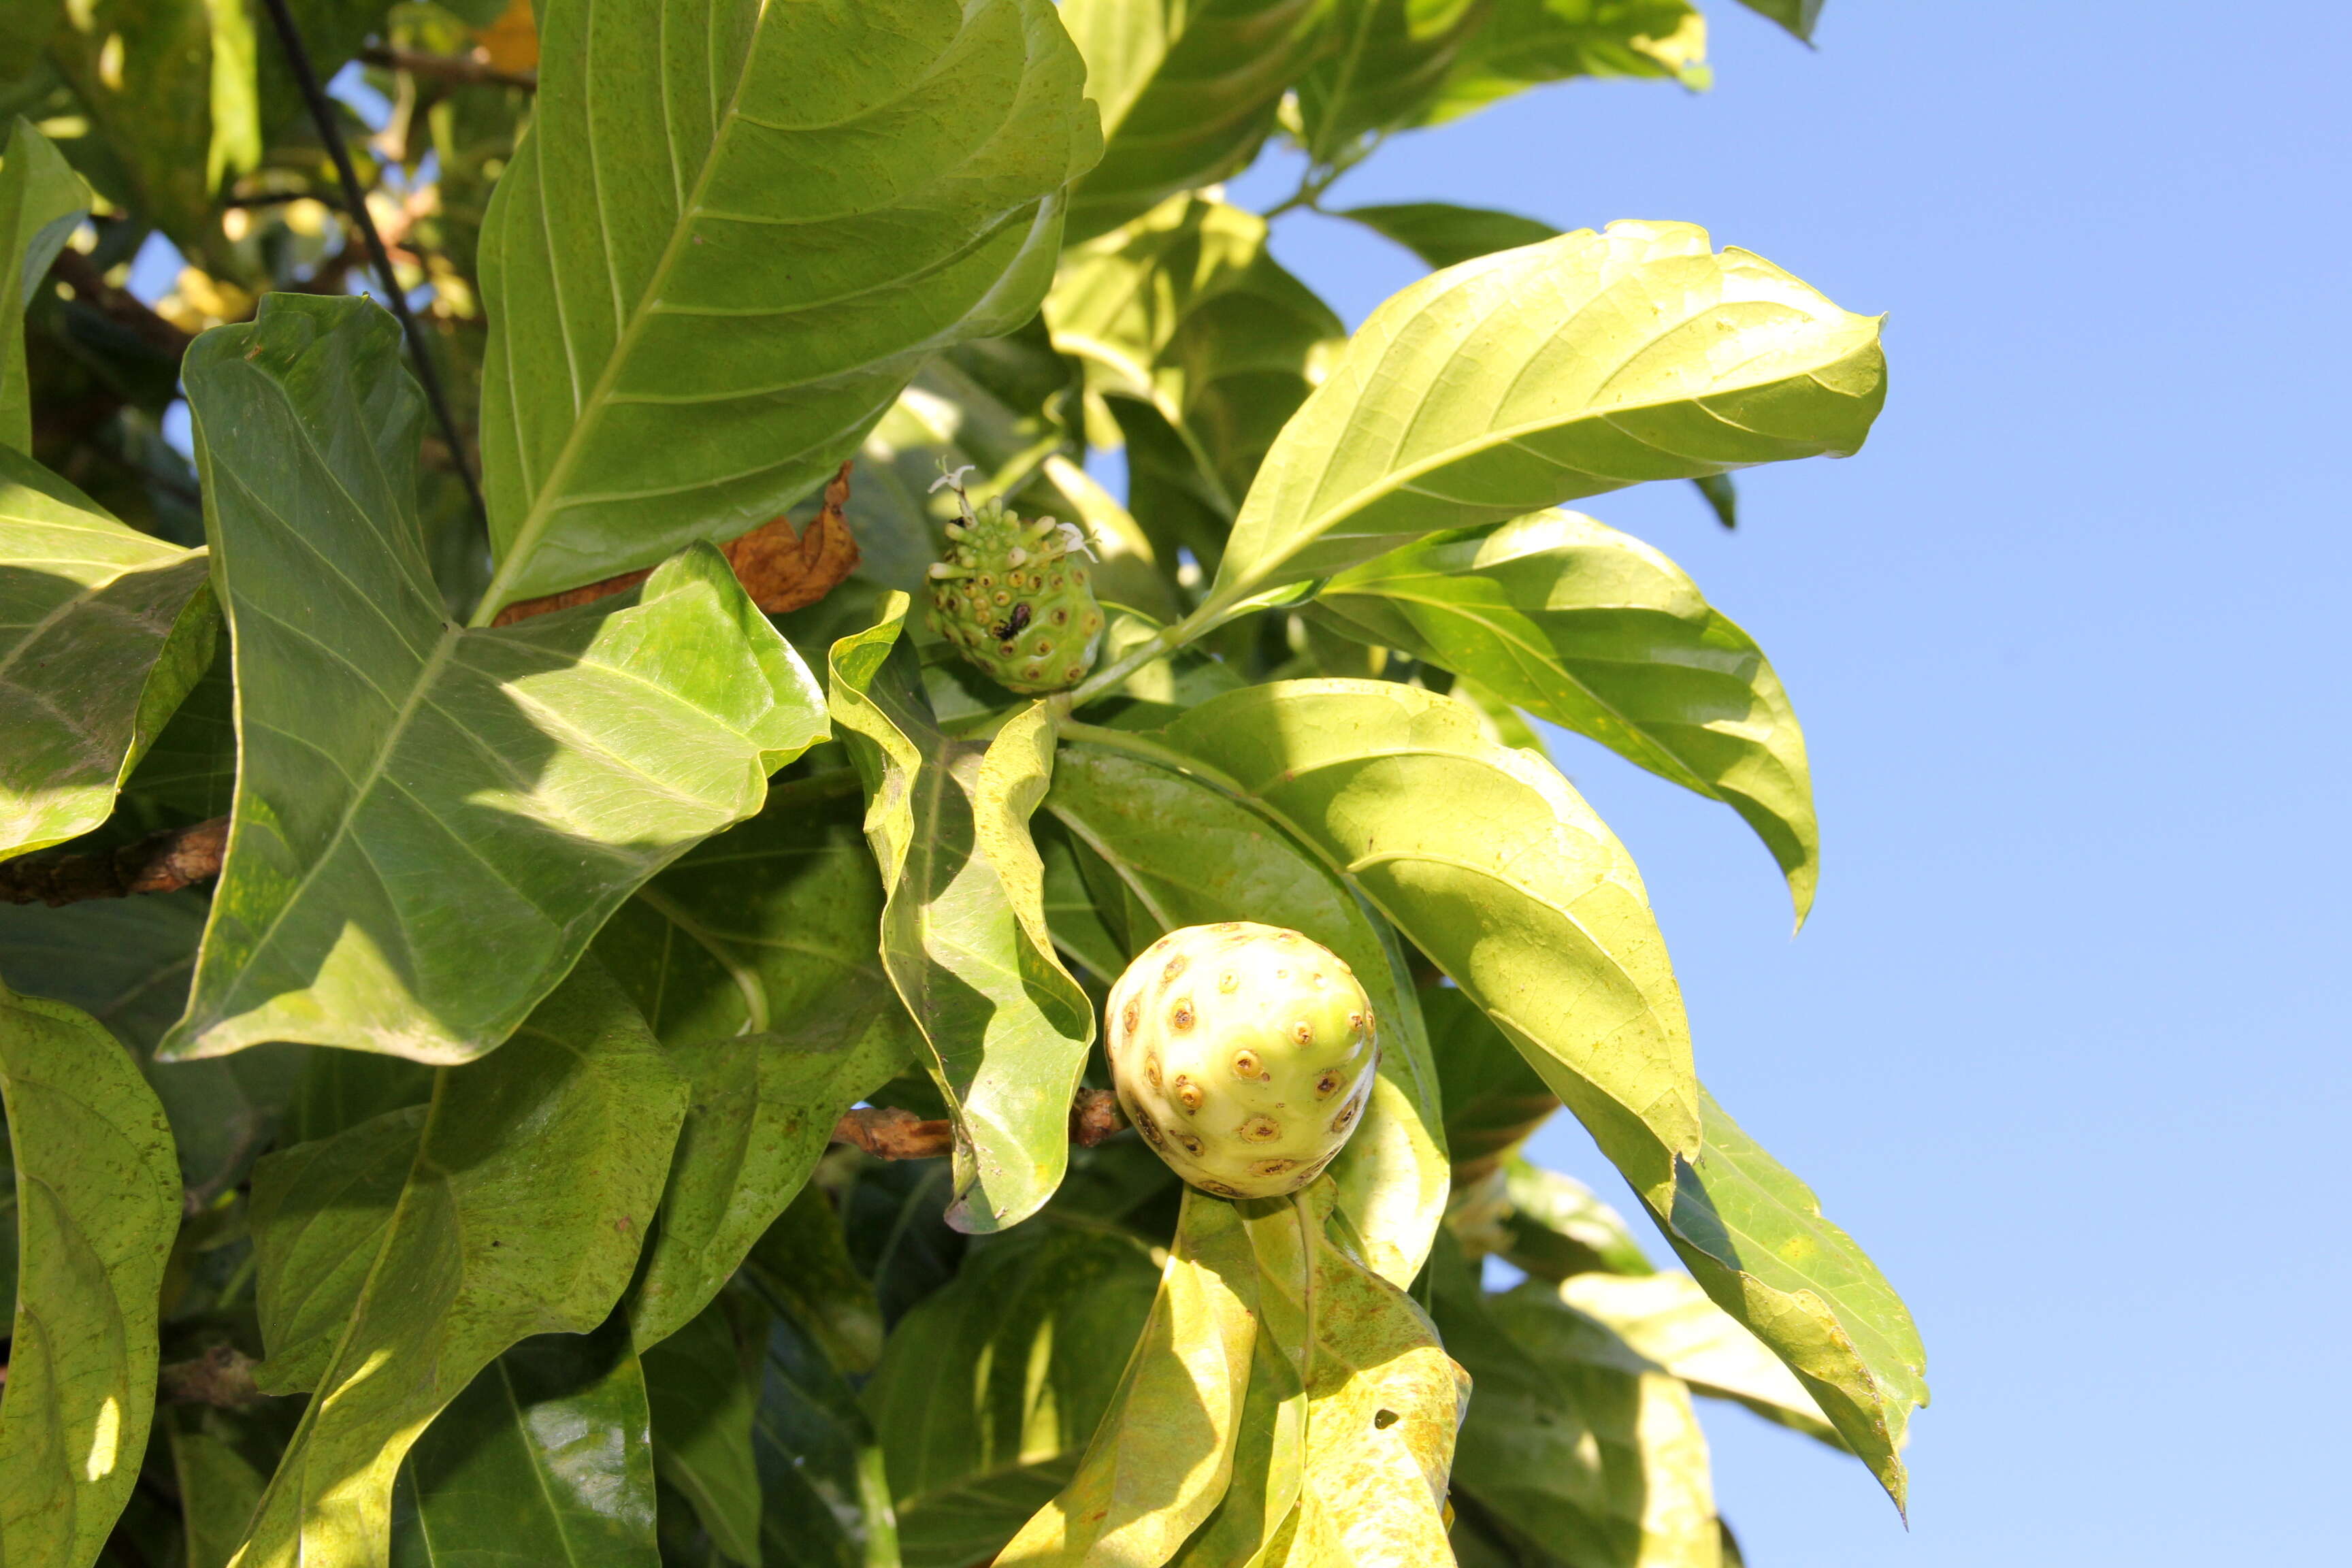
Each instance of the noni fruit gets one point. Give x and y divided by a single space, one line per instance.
1014 597
1244 1054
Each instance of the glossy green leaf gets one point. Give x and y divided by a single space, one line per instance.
1191 855
339 1089
1520 380
764 1108
1527 43
1798 17
1163 1454
1516 890
1184 308
824 1500
545 1458
1188 93
1271 1451
963 933
802 1265
730 235
410 797
125 961
703 1394
1493 1098
1753 1235
1558 1226
1002 1375
399 1259
41 200
1444 235
103 631
98 1203
191 768
1588 1449
221 1461
1667 1318
1385 1404
1599 633
1385 64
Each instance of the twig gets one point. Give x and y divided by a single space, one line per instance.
420 349
161 862
888 1133
221 1377
463 70
120 306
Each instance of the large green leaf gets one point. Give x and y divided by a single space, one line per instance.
1386 61
703 1394
1191 855
1754 1236
1163 1453
1188 92
398 1258
825 1502
1527 43
1598 632
1533 376
41 200
753 959
1001 1378
103 630
1558 1226
431 823
730 235
1569 1392
1493 1098
1384 1405
141 70
221 1461
545 1458
1668 1317
1185 309
1516 890
98 1203
963 933
1445 234
764 1106
125 961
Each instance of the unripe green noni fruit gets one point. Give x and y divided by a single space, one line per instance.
1015 598
1244 1054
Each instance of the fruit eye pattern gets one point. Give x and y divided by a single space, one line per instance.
1247 1088
1014 598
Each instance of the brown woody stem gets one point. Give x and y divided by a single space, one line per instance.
160 863
888 1133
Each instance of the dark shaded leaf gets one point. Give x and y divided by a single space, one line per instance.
1443 234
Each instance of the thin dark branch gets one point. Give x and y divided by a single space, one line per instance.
888 1133
120 306
463 70
323 114
160 863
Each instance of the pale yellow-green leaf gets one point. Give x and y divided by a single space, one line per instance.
1530 377
1669 1318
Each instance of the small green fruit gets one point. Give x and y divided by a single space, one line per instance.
1244 1054
1015 598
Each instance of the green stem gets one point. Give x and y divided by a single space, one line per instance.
1165 640
1307 1284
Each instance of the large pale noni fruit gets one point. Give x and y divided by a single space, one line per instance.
1244 1054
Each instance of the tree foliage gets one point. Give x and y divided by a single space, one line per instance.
547 1015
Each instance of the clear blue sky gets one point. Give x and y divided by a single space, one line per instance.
2063 1042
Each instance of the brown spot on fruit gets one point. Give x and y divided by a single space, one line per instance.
1188 1094
1303 1032
1261 1129
1327 1082
1181 1017
1132 1014
1229 982
1152 1069
1219 1188
1246 1064
1174 967
1346 1116
1275 1167
1191 1144
1148 1128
